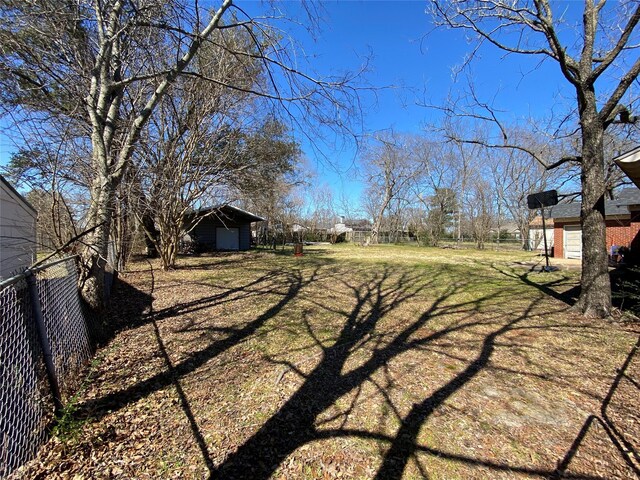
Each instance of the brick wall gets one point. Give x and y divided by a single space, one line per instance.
635 231
624 232
618 233
558 239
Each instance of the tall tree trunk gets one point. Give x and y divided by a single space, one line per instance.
94 256
595 296
151 234
110 162
377 224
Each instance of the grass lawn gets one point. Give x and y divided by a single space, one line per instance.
353 362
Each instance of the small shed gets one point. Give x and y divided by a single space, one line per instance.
17 231
222 228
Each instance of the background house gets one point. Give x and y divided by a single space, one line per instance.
222 228
17 231
536 240
622 217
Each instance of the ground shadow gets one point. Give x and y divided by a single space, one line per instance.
625 288
127 308
296 423
549 287
616 434
290 283
299 420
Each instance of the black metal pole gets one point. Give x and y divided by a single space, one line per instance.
544 236
44 340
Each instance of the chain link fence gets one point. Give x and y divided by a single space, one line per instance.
44 343
358 236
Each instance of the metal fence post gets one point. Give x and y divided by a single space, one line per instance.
44 340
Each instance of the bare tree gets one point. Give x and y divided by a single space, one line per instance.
55 224
389 169
604 41
108 64
192 150
515 175
323 211
436 187
480 211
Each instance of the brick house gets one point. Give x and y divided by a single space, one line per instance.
622 217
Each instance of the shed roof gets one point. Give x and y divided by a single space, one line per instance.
227 211
618 206
537 221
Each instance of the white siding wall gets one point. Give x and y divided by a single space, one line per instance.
17 232
536 242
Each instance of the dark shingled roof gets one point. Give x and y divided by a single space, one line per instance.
226 211
619 206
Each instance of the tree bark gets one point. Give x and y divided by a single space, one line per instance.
94 256
377 224
595 296
110 161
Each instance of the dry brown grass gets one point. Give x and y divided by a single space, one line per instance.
379 362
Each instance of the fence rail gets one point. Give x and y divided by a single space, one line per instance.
44 343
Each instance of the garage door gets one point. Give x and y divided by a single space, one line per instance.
573 242
227 239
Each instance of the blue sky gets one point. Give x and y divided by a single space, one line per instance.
415 62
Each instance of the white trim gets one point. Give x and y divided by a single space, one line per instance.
629 163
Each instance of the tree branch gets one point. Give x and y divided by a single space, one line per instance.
622 87
160 91
607 60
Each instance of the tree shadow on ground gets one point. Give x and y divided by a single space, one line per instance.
298 421
127 309
358 351
551 287
625 289
283 282
620 434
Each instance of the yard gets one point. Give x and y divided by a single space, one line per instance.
353 362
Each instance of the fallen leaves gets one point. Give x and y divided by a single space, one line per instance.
209 357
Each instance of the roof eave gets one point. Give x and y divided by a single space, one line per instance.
629 163
18 194
250 217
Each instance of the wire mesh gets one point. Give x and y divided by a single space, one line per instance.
66 327
25 404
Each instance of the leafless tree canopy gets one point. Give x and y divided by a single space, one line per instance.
596 51
102 69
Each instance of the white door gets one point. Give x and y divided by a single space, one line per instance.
573 242
227 238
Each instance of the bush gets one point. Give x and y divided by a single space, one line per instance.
626 290
189 247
